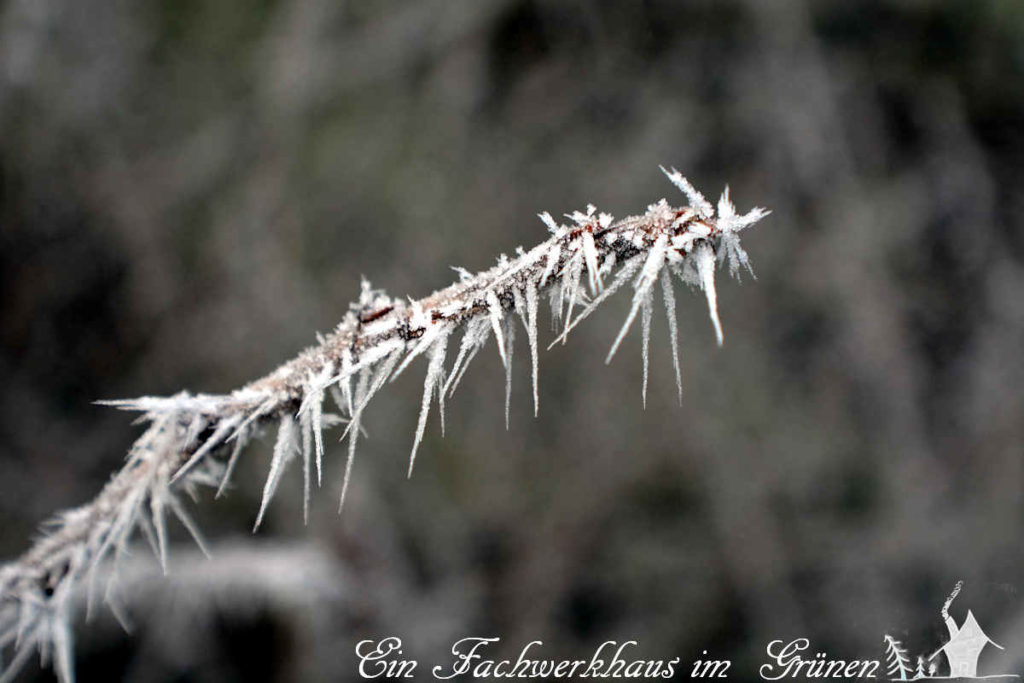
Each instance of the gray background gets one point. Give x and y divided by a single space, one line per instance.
191 189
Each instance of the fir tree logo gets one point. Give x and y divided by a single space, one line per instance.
896 660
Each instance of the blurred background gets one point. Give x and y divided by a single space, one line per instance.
190 190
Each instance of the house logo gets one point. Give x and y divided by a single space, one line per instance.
960 652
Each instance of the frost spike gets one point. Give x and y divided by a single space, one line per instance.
306 428
521 306
473 339
217 438
371 385
434 370
726 209
186 521
623 276
696 199
150 534
575 267
554 253
645 320
61 636
313 404
254 415
120 526
318 435
353 432
440 400
235 452
62 645
590 254
706 273
424 344
346 372
652 266
548 221
494 310
117 609
284 451
510 336
531 333
673 328
156 508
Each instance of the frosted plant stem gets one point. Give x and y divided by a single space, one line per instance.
196 440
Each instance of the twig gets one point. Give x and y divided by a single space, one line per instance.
194 440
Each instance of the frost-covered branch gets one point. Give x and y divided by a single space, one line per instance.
195 440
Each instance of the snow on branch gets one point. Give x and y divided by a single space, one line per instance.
195 440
